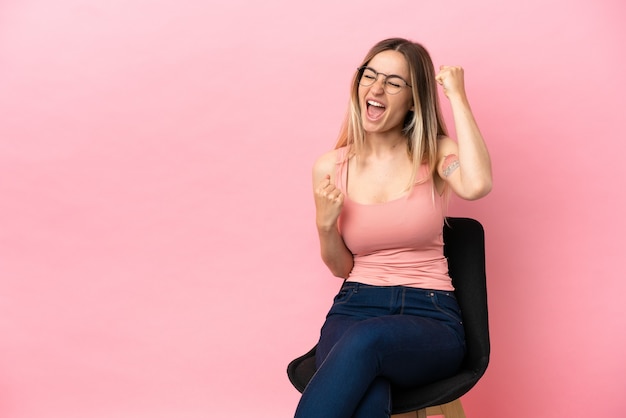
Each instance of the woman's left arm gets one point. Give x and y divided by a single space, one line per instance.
464 165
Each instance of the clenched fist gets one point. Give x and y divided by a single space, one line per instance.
451 79
328 204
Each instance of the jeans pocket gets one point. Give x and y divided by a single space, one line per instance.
446 303
345 293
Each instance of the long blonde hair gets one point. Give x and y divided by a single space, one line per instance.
422 126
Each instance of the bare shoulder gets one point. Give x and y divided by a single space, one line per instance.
325 165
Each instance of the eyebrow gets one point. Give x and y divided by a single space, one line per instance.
386 75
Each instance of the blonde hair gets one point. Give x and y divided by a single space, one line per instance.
422 126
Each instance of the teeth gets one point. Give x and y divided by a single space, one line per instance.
373 103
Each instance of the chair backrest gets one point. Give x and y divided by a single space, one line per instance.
464 240
465 249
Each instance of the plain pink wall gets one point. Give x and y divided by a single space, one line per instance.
158 256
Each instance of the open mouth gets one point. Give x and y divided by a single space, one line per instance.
375 109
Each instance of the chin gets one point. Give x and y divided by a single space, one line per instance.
369 126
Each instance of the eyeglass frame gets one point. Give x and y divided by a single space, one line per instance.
362 69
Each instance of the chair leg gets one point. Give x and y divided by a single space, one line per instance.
407 415
452 409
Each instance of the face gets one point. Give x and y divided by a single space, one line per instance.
382 112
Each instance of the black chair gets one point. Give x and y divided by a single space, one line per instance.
465 249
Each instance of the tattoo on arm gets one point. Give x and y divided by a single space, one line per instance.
450 163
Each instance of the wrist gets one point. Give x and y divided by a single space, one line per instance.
458 98
325 229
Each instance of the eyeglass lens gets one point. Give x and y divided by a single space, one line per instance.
393 84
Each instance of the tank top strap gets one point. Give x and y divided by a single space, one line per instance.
341 170
423 174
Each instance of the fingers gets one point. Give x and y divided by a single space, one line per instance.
442 74
450 67
446 71
336 196
328 190
450 77
328 203
324 183
331 193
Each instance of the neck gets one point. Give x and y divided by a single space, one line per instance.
380 144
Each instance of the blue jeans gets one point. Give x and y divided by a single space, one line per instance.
378 337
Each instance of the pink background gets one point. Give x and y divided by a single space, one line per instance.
158 250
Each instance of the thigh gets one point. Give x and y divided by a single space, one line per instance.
416 334
414 350
333 329
408 350
354 303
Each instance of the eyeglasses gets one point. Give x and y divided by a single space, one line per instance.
393 84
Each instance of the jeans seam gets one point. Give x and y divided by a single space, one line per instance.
435 300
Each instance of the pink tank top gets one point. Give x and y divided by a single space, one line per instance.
399 242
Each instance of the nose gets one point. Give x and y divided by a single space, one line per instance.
379 84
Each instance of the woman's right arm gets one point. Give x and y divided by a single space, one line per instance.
328 204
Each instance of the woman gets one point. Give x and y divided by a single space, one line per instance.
380 202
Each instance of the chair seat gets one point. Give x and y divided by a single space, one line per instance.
302 369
